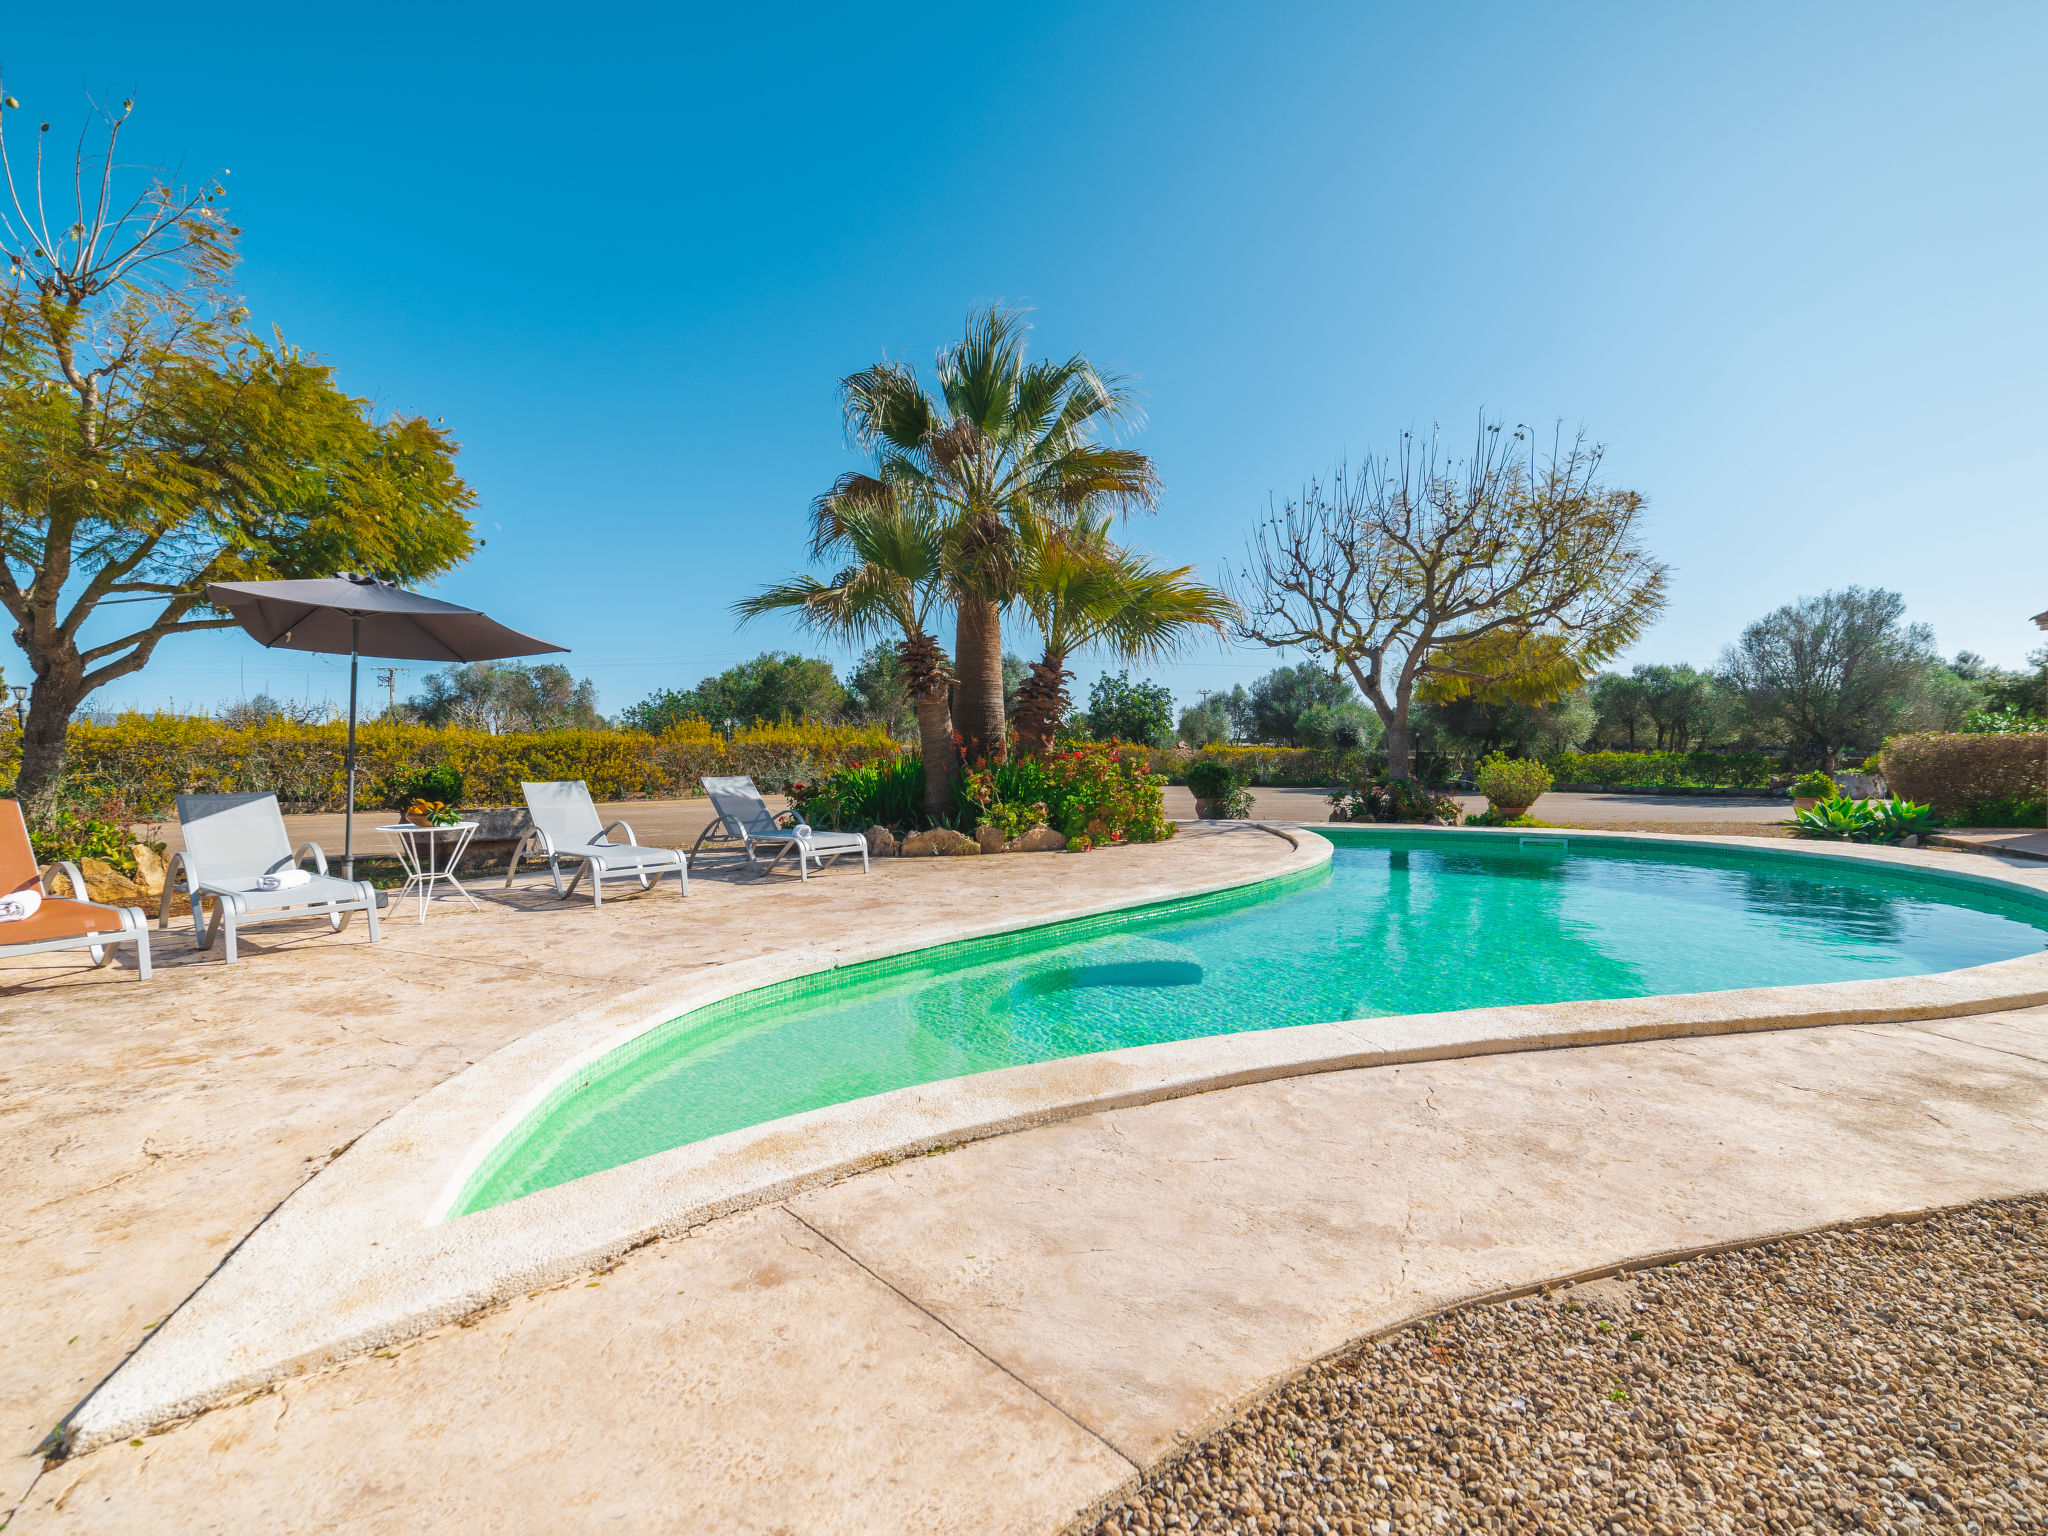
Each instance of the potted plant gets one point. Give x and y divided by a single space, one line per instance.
431 813
1219 789
1511 785
1809 789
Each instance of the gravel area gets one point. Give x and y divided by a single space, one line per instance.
1882 1379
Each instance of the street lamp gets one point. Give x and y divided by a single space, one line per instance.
20 693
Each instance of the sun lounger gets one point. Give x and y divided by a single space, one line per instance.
565 826
58 922
231 843
743 817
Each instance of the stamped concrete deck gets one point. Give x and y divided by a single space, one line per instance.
989 1340
146 1128
997 1339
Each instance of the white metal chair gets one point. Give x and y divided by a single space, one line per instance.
565 826
743 817
231 843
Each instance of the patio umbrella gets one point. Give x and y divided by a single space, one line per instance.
362 616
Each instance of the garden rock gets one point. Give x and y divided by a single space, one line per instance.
882 842
149 867
1039 840
990 839
942 841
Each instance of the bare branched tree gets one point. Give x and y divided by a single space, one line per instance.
1507 574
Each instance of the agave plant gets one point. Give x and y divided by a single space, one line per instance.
1838 820
1863 821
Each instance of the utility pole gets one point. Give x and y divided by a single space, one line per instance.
389 677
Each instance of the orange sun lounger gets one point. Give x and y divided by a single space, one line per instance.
61 923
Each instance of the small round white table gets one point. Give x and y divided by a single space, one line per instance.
429 855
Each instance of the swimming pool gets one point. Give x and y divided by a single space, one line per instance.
1399 922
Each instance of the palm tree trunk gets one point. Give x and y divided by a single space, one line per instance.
1042 703
978 659
941 756
930 680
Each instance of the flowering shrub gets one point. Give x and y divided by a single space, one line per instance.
1106 793
150 759
1394 800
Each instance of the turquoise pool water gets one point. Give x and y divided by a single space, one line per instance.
1399 922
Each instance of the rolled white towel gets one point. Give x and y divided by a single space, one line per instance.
20 906
283 879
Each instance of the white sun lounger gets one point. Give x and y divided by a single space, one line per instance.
743 817
231 843
565 826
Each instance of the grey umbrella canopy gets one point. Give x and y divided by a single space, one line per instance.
359 614
356 616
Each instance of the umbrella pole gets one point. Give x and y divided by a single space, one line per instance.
348 835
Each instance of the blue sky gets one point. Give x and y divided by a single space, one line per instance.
1785 261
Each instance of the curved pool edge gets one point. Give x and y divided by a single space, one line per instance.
356 1259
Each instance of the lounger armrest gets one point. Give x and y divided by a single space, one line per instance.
606 834
319 857
70 872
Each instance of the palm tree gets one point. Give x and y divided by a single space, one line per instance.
1081 590
895 582
1007 445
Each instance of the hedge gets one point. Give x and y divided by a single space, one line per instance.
1297 767
146 760
1955 772
1666 770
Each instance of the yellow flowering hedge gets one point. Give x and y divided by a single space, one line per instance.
148 759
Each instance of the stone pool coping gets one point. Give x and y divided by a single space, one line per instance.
360 1256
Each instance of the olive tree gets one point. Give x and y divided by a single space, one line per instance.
1507 575
1830 671
151 442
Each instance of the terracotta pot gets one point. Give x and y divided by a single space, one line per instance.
1209 810
1509 812
1805 802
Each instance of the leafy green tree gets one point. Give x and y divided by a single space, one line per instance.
1506 575
1215 717
2002 691
1686 706
1121 710
878 693
1007 444
775 686
1286 697
151 442
1620 709
504 696
1471 729
1082 590
1830 671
